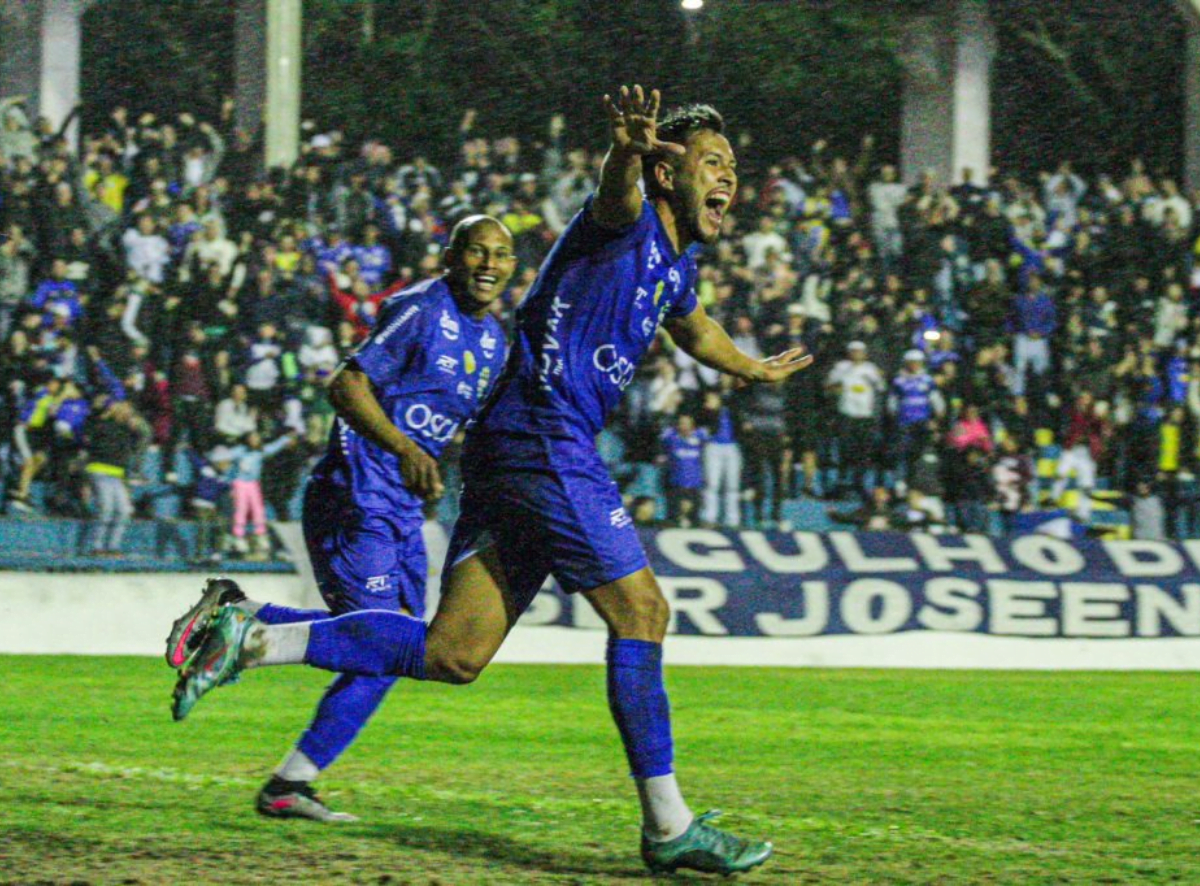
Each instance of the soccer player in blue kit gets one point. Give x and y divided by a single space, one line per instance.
400 399
537 499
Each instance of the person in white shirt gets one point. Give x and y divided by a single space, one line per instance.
146 251
886 197
210 248
235 417
762 242
857 383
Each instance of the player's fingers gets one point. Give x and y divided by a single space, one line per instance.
639 97
655 101
624 99
669 147
614 113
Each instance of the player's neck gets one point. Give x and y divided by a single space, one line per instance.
670 222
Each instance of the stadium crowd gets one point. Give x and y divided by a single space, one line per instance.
158 292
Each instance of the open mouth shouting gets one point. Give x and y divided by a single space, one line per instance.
716 204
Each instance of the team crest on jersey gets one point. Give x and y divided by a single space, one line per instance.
449 325
447 364
487 342
468 362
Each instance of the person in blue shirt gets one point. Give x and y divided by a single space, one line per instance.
400 399
682 448
915 404
537 498
374 259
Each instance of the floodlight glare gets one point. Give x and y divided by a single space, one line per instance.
692 5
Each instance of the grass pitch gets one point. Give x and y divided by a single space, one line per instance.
858 777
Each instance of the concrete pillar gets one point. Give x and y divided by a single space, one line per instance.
1191 98
947 62
267 62
250 64
39 56
284 62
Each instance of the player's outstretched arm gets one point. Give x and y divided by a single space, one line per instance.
352 396
702 338
633 120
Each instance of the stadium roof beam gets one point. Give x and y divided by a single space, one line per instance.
267 68
946 55
39 58
1191 93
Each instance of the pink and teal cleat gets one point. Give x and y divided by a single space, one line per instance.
189 629
216 662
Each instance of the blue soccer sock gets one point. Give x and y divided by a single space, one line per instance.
271 614
638 701
373 643
344 710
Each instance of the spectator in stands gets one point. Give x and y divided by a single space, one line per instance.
915 405
722 462
246 480
857 383
1084 442
235 417
112 437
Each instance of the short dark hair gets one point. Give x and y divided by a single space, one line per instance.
678 125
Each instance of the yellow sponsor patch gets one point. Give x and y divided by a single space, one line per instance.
468 362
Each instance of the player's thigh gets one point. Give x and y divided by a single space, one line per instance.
633 607
474 615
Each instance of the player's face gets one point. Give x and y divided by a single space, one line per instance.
481 268
706 185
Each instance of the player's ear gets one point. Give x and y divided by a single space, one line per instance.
664 175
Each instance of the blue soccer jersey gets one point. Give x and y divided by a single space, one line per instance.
431 366
534 485
586 324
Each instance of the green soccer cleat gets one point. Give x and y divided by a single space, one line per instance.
704 848
189 630
215 663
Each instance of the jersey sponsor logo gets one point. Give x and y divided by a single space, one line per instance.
552 365
465 390
487 343
676 280
485 376
450 328
642 294
429 424
396 324
469 362
377 583
619 518
447 364
617 369
655 256
648 326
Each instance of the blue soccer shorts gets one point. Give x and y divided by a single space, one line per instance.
548 507
363 560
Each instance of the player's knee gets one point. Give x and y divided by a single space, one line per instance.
646 616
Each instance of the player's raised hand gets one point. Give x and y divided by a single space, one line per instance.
421 474
633 118
784 366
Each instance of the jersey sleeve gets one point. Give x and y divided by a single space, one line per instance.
587 237
687 302
397 337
